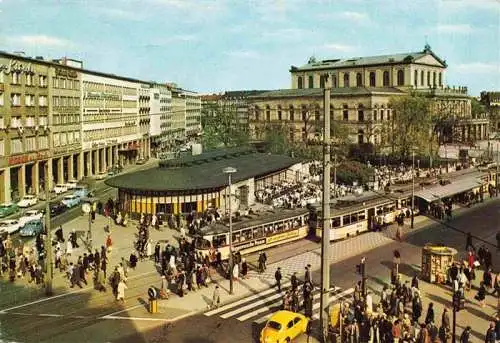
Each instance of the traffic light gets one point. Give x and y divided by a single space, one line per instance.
360 268
458 301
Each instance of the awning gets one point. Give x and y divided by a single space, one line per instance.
456 187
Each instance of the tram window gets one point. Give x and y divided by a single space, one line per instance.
346 220
354 218
246 235
361 216
236 236
219 241
201 243
258 232
336 222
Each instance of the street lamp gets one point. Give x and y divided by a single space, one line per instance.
412 188
87 209
229 171
48 240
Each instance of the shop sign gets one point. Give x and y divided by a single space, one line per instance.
282 236
16 66
13 160
66 72
250 244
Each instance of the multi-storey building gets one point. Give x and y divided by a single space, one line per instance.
24 125
115 120
361 89
186 113
193 113
161 117
491 100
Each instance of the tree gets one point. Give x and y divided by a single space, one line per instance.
221 126
410 125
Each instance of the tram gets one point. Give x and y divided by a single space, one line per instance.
254 232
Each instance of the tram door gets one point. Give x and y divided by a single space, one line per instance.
371 218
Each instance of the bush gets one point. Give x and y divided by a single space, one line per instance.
351 171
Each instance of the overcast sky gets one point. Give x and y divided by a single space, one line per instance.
212 46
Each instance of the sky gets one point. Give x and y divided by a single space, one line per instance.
218 45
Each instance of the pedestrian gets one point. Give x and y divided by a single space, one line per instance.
244 268
294 281
491 336
109 244
468 242
261 262
69 247
164 287
133 260
215 298
100 280
429 317
307 274
481 295
465 336
277 276
120 296
157 252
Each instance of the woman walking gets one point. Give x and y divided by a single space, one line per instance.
120 296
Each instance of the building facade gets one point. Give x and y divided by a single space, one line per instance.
160 117
361 89
491 100
193 113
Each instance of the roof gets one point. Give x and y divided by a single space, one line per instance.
439 192
408 57
318 92
203 171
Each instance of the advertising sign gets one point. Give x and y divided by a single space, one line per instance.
282 236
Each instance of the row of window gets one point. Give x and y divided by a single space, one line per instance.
64 138
66 101
26 144
63 83
29 100
29 79
108 133
29 121
66 119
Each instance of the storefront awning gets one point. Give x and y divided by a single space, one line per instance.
438 192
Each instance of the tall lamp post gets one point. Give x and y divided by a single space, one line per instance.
87 209
412 188
229 171
48 242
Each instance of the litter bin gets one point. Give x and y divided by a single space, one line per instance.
153 299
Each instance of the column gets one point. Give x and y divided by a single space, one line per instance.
79 170
109 154
71 172
148 147
60 170
97 164
5 182
49 184
89 163
21 180
104 159
35 177
115 154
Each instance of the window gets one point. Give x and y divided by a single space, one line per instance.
415 81
317 117
361 113
361 137
401 78
42 80
280 116
429 78
268 113
385 79
422 74
2 147
434 79
441 79
345 112
290 324
31 144
55 139
372 79
304 113
42 120
16 146
346 220
29 100
359 80
292 113
15 99
311 81
42 101
346 79
382 114
322 81
334 81
375 115
55 82
30 121
300 82
29 79
16 78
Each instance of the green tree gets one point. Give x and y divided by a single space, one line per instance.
411 124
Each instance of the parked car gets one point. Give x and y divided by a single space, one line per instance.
101 176
27 201
71 200
284 326
72 184
7 209
56 208
9 226
31 228
29 216
141 161
60 188
82 192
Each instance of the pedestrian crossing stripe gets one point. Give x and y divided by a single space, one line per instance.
265 303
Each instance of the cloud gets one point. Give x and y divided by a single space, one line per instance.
338 47
116 13
171 39
478 67
454 28
352 16
244 54
285 34
470 4
41 40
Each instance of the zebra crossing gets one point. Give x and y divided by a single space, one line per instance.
259 307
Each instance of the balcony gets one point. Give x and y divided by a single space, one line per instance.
454 91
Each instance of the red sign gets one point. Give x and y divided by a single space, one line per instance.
27 158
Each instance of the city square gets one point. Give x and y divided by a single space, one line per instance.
183 172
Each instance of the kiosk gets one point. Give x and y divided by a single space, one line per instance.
436 259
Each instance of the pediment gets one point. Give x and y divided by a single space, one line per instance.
430 60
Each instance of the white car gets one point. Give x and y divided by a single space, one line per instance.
71 200
27 201
9 226
60 188
72 184
101 176
30 216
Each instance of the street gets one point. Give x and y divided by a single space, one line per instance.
88 316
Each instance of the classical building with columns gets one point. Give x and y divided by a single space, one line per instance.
361 91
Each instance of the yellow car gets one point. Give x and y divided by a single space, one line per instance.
284 326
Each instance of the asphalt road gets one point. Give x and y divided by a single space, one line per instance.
85 316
